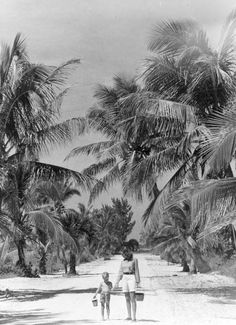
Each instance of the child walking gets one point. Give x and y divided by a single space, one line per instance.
105 294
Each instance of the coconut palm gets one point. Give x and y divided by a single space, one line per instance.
113 225
81 229
54 195
24 213
212 212
76 225
183 231
143 133
216 193
185 68
31 96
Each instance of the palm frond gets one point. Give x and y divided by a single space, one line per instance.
7 56
227 42
144 103
107 97
99 120
45 216
60 133
58 75
99 167
107 181
208 193
93 149
52 172
159 203
171 37
219 147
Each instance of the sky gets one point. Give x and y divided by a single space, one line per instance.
110 37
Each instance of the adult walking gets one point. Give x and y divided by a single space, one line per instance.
129 273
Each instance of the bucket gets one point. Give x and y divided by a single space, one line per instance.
139 296
95 302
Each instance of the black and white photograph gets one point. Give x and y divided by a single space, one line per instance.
117 162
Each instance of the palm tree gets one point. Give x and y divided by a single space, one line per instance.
183 231
143 133
54 195
31 96
186 69
81 229
25 215
76 225
113 225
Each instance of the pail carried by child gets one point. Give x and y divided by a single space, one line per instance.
95 302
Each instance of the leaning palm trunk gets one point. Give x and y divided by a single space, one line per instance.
184 264
72 263
43 262
43 253
62 257
4 250
192 267
20 243
196 257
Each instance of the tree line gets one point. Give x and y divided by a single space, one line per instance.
176 117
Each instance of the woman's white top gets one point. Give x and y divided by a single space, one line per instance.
129 267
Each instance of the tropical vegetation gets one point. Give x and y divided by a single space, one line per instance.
175 119
32 192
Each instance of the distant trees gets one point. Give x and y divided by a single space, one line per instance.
113 225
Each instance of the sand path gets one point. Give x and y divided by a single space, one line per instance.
171 297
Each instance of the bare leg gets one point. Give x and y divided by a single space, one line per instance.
108 310
128 304
102 310
133 304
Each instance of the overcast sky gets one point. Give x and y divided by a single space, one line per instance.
110 37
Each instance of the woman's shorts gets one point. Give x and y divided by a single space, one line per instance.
128 283
105 298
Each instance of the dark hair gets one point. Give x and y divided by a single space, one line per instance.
127 253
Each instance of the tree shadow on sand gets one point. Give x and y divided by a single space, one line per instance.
42 318
13 317
34 295
65 322
226 293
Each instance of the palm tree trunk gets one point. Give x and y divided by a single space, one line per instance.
196 257
197 261
62 257
65 267
184 264
233 237
201 264
21 254
42 261
4 250
72 263
192 267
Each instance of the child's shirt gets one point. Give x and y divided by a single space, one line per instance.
105 287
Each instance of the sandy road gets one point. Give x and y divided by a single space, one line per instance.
171 297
